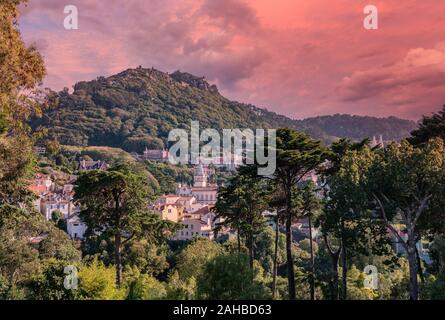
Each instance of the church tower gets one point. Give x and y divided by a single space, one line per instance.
200 177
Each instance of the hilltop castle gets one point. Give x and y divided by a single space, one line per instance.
374 143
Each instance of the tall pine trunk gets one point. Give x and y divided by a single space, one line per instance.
118 258
344 271
238 239
412 263
419 266
312 275
275 261
333 282
251 251
289 258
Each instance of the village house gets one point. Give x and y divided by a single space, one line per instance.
40 150
271 218
58 196
171 212
155 155
167 199
302 226
190 204
85 165
41 184
421 245
56 202
198 219
75 227
194 227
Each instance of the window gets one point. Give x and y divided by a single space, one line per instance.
191 226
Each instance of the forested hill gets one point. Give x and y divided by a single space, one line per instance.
332 127
138 107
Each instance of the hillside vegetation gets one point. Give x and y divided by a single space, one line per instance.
138 107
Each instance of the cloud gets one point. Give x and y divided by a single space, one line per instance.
234 15
416 81
299 58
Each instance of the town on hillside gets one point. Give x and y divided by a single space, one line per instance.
190 206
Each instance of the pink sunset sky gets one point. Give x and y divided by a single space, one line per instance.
300 58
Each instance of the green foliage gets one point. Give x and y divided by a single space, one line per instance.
356 290
297 154
148 257
58 219
114 201
48 284
168 176
24 252
264 247
429 127
178 289
347 215
334 127
229 277
107 154
404 176
146 288
16 165
433 290
137 108
409 182
21 69
96 282
240 204
393 281
193 259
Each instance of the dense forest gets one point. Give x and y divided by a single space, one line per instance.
138 107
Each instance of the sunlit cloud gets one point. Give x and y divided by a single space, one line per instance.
299 58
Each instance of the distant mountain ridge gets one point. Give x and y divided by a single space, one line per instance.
329 128
138 107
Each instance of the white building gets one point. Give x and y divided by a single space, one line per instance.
75 227
56 202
